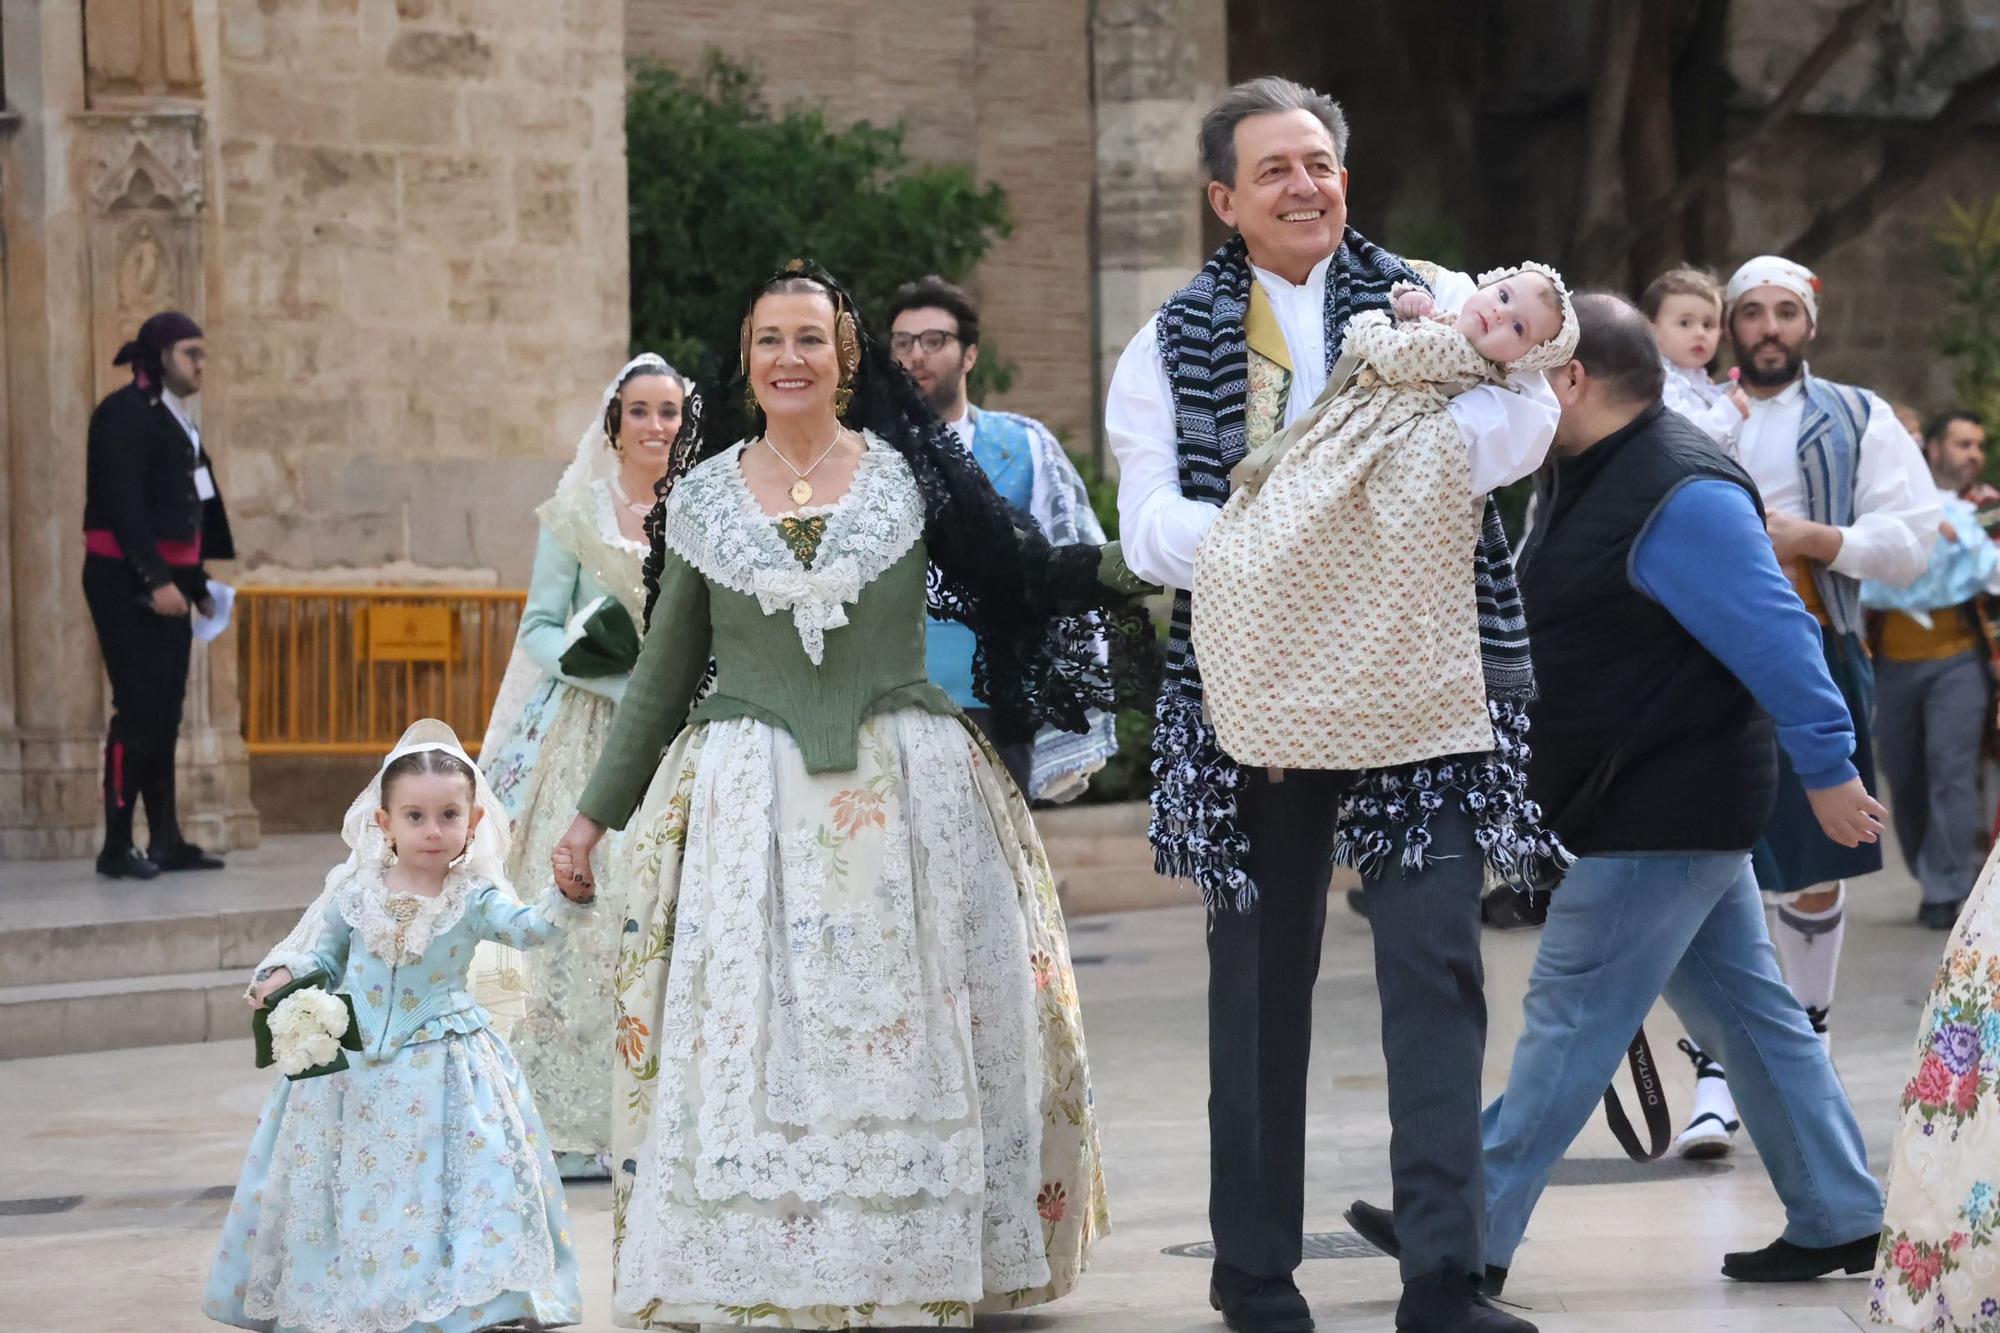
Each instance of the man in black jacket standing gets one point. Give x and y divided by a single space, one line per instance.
152 514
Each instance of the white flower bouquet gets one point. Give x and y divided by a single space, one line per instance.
305 1030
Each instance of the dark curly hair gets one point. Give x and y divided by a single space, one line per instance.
1030 604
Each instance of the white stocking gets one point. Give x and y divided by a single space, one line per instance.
1809 952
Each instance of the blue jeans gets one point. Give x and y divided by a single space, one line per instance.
1622 931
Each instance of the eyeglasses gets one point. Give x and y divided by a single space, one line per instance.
931 340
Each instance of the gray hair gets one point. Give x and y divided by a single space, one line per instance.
1262 97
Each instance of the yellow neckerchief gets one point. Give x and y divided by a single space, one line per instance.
1261 330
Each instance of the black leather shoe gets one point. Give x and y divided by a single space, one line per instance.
129 864
1453 1303
1377 1226
1782 1261
1513 909
187 856
1258 1304
1940 916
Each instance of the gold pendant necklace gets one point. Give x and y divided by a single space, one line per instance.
801 490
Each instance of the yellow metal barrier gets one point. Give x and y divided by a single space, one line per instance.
345 670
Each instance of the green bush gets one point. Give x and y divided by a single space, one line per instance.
1969 242
723 191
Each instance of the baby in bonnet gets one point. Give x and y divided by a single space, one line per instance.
1336 617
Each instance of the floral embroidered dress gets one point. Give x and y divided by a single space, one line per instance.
852 1088
415 1189
546 732
1939 1268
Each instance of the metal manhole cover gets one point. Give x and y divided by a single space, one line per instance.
1318 1245
1625 1171
61 1203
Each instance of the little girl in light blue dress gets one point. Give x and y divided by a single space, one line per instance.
413 1190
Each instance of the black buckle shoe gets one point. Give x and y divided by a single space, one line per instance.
1377 1226
128 864
187 856
1782 1261
1258 1304
1453 1303
1939 916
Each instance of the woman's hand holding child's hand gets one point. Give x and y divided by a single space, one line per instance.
279 977
571 860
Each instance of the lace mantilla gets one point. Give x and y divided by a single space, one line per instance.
714 522
393 930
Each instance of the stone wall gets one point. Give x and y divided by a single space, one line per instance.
1159 63
421 286
1493 172
1884 290
402 223
1000 86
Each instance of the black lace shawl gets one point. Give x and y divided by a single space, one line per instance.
1030 604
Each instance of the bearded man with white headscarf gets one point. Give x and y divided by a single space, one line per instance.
1847 497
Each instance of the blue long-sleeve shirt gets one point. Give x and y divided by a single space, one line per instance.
1752 621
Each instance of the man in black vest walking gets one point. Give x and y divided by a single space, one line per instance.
152 514
1669 646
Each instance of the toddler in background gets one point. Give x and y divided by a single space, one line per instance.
1685 306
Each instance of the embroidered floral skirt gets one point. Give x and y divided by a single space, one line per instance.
1939 1268
412 1193
559 1021
851 1085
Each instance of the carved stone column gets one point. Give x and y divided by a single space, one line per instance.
51 752
1159 64
101 206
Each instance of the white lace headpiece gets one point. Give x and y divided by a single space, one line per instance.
595 460
485 855
1558 350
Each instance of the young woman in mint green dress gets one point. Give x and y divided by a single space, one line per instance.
851 1081
547 729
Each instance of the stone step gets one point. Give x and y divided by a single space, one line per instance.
117 1013
217 941
92 965
1117 849
1093 890
60 923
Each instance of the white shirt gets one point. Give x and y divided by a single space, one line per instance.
1507 430
961 426
1692 394
1896 512
179 408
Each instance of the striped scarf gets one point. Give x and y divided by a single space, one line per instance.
1194 831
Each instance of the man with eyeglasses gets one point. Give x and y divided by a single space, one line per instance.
934 334
152 515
